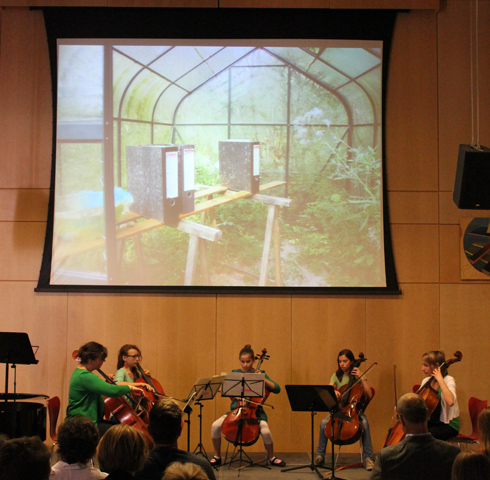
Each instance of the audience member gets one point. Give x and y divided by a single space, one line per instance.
184 471
25 458
471 465
165 426
77 442
122 451
484 430
419 455
3 438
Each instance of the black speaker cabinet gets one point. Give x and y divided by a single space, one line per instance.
239 162
472 185
153 180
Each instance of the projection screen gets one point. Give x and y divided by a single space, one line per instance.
219 164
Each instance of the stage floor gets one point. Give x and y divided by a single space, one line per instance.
294 460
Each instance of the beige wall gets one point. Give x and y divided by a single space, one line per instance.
428 116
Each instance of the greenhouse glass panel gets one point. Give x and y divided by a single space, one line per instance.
351 61
80 83
327 75
259 57
258 94
141 96
162 134
295 56
143 54
311 103
208 104
212 67
371 82
179 60
124 70
362 109
167 104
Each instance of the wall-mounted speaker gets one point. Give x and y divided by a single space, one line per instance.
472 185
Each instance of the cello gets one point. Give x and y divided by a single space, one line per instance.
120 408
241 426
429 394
351 402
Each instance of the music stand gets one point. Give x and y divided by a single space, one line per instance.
243 385
15 348
314 398
204 389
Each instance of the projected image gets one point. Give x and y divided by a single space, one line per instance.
219 164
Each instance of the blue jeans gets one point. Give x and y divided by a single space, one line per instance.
367 447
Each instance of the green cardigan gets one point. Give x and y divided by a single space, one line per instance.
86 394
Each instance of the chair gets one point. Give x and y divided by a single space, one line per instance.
53 410
475 406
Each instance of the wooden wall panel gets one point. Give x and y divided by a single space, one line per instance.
416 252
21 252
451 214
413 207
450 271
179 346
43 318
24 205
464 326
411 104
399 330
185 337
321 327
454 63
25 100
263 322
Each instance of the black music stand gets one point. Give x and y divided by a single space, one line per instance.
15 348
203 389
243 385
315 398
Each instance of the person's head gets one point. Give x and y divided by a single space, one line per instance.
122 448
165 422
471 465
77 439
92 354
345 359
184 471
128 355
3 438
412 412
432 360
246 358
484 430
26 458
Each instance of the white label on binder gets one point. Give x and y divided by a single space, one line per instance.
256 159
188 169
172 174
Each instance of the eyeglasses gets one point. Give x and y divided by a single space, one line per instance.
133 356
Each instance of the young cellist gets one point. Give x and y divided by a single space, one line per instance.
87 390
444 420
246 359
128 372
346 372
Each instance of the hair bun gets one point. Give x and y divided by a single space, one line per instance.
248 346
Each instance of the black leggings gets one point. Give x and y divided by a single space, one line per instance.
442 431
